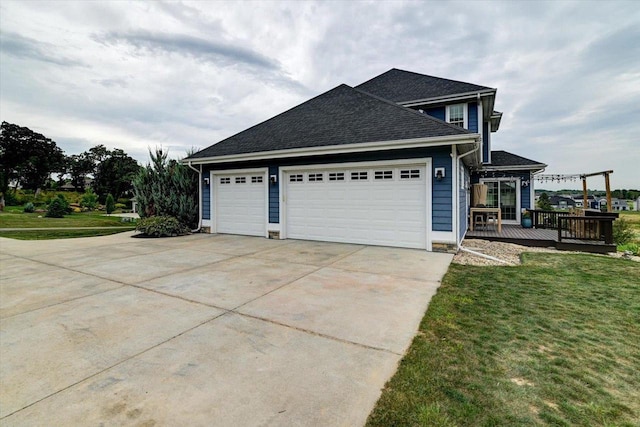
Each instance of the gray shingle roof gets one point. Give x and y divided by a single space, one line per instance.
341 116
403 86
503 158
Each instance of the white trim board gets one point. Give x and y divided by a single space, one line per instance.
470 138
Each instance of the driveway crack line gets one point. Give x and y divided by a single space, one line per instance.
116 364
319 334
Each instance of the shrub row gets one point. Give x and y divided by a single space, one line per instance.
162 226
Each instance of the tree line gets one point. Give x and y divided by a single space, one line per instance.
29 159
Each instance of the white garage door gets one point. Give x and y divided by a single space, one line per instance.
239 203
375 205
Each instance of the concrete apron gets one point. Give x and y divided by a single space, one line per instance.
204 329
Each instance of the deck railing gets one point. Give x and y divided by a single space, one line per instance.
592 228
546 219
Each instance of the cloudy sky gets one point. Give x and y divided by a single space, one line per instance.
135 75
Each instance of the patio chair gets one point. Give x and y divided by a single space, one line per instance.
479 219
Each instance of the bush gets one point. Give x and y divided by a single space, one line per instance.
167 188
57 208
622 232
110 204
123 201
89 199
10 199
161 226
631 247
29 208
65 204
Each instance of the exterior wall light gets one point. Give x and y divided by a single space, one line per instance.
439 174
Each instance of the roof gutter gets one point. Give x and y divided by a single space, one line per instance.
539 166
199 197
469 138
439 99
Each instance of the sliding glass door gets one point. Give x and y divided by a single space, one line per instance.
504 193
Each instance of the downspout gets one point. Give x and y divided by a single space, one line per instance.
460 247
457 193
199 197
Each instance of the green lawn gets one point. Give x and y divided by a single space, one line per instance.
13 217
555 341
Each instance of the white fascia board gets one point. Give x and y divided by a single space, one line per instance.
448 98
514 168
341 149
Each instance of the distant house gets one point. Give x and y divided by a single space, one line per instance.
617 205
68 186
637 204
592 202
562 202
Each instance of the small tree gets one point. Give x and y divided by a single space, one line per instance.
110 204
89 199
57 208
167 188
622 231
544 202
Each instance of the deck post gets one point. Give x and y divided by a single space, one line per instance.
585 197
608 188
559 225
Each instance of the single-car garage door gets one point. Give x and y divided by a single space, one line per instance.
382 205
240 204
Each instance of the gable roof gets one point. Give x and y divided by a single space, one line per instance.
504 160
339 117
404 86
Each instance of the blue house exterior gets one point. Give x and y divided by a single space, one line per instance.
389 162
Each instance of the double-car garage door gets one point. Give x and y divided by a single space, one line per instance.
382 205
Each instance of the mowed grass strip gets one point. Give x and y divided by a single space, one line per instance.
13 218
555 341
60 234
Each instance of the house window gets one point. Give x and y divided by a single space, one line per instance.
456 115
225 180
296 178
410 174
336 176
315 177
256 179
241 179
359 176
383 175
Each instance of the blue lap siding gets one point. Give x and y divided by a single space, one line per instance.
463 204
485 146
437 112
206 196
441 191
274 197
472 117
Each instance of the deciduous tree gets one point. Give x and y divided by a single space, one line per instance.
26 157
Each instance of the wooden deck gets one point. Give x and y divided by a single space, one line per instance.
537 237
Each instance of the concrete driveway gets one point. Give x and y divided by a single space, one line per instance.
204 330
